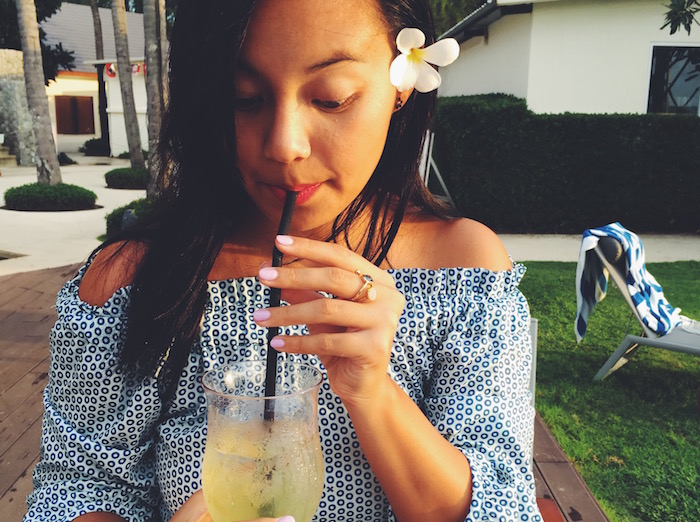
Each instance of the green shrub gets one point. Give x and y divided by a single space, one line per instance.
127 178
95 147
65 159
141 208
562 173
125 154
39 196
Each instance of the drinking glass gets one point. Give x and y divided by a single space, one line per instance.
258 466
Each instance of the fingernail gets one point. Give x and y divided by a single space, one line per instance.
285 240
286 519
277 343
261 315
268 273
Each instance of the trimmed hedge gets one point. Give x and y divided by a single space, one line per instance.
115 219
64 159
40 196
127 155
127 178
95 147
562 173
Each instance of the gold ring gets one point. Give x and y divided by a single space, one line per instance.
367 291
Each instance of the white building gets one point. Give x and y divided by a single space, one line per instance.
585 56
73 97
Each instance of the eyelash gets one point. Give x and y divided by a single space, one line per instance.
254 103
249 104
334 105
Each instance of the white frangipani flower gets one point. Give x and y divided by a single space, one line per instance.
410 68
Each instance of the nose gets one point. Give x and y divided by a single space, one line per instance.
287 138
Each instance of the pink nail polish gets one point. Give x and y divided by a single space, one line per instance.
268 274
285 240
277 342
286 519
261 315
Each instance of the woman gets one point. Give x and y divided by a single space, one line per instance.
426 378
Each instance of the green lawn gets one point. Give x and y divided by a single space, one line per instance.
635 437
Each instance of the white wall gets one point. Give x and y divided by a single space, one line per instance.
594 56
117 130
499 64
588 56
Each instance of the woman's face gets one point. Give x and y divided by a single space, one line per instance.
314 103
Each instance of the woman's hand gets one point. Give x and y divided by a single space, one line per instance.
195 510
353 339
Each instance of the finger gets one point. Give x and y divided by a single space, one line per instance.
333 280
330 254
193 509
356 345
283 519
336 312
294 296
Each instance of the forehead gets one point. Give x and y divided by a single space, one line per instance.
301 30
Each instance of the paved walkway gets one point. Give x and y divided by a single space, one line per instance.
33 240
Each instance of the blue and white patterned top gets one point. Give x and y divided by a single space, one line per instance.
461 351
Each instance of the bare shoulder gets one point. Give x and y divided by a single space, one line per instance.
430 242
113 268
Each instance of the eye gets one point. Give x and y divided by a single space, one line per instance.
248 104
333 105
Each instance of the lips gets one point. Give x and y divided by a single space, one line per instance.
304 192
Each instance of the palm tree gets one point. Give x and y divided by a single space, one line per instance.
48 169
681 13
449 12
124 72
101 91
156 43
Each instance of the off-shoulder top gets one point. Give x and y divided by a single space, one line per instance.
461 352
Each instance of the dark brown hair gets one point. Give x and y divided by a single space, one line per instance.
201 195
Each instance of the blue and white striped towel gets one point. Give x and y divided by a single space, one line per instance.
592 281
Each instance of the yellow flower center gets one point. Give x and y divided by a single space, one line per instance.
416 54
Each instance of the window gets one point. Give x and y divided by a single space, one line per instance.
675 80
74 115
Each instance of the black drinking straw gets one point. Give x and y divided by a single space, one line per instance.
271 369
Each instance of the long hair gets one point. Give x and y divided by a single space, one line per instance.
201 193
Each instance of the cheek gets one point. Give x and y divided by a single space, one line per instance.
360 136
370 135
247 151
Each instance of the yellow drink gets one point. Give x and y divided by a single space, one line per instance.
262 469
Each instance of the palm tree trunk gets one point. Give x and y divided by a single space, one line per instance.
124 72
153 22
164 49
101 91
48 169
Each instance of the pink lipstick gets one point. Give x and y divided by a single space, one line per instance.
304 192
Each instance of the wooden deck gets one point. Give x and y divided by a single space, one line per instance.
27 313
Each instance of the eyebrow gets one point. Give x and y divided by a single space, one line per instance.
335 58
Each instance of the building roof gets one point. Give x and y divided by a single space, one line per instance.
476 23
72 26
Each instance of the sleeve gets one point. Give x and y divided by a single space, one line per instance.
97 441
478 396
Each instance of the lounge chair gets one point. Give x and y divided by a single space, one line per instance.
685 337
